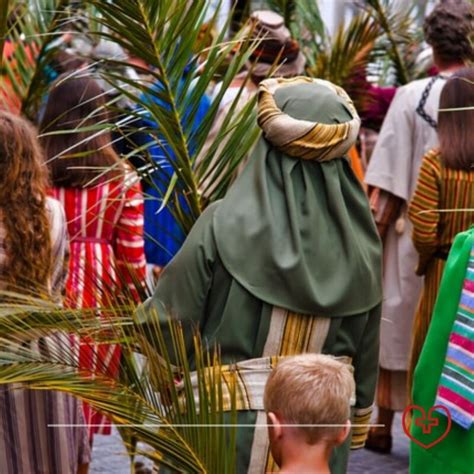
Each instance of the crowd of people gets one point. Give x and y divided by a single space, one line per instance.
406 208
330 278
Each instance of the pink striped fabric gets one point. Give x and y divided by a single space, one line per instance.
105 225
456 385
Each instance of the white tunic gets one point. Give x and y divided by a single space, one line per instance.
404 139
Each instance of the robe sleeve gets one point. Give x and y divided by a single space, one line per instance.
390 166
183 287
365 374
423 211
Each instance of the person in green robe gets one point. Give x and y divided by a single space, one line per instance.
288 262
444 375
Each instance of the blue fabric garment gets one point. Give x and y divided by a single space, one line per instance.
163 235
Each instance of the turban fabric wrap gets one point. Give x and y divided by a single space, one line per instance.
295 229
302 138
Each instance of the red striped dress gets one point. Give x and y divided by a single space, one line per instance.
438 188
105 225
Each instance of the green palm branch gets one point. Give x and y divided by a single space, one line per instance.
309 29
380 32
399 35
177 411
348 55
34 35
164 35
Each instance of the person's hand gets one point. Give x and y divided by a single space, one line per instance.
374 195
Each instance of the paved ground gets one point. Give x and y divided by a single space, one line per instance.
368 462
109 456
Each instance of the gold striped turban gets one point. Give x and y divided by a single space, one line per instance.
302 138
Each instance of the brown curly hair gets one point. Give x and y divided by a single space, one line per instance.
23 212
448 30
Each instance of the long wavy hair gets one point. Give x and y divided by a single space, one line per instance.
76 154
23 212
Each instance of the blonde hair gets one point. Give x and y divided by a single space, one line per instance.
311 389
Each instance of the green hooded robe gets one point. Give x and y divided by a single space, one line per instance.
288 262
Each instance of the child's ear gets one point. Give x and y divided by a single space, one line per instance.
274 425
344 433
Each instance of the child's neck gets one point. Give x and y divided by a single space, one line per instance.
307 459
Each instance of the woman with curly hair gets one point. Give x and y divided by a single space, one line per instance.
33 244
103 202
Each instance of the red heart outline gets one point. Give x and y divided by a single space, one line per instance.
406 429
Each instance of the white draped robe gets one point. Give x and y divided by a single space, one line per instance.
404 139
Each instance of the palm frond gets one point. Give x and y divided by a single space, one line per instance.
345 60
164 35
27 69
175 409
309 28
397 26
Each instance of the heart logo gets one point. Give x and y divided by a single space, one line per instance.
426 422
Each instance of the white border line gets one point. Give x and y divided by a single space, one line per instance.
221 425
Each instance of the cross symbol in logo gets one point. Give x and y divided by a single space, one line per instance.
426 423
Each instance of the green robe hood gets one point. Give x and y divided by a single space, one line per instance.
298 233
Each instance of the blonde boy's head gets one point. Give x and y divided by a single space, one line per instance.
311 389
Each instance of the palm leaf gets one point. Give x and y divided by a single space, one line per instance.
345 60
180 423
309 29
37 27
164 35
397 26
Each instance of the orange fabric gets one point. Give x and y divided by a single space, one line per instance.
9 99
356 164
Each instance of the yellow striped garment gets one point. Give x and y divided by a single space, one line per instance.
442 206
